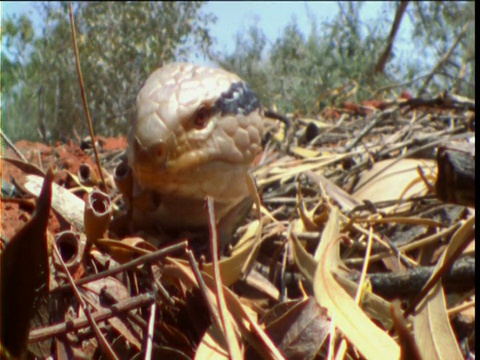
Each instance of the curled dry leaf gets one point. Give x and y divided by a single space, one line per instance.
98 212
87 176
71 249
394 180
311 222
25 263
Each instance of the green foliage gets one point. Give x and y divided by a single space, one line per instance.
303 74
246 61
298 72
120 44
437 27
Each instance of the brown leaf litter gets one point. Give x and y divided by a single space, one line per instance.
349 222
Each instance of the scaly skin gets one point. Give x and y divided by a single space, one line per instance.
196 133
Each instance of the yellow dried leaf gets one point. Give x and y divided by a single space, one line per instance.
231 267
433 333
374 305
371 341
305 153
210 346
394 180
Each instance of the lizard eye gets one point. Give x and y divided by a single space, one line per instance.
202 117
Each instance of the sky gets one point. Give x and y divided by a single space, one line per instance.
232 17
272 17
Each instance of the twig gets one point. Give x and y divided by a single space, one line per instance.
445 100
103 185
380 66
93 324
204 289
12 146
372 123
151 325
44 333
366 263
444 59
459 279
460 78
447 265
228 332
131 264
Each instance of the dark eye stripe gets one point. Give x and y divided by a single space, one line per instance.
239 99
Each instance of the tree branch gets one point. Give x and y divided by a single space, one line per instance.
382 61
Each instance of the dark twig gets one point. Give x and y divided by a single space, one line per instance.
460 278
93 324
469 237
372 123
382 61
44 333
444 59
131 264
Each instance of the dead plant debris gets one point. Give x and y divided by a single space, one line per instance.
350 222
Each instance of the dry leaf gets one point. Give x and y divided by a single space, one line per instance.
432 329
373 304
361 332
299 328
117 292
408 346
231 267
210 346
304 153
25 273
394 180
248 326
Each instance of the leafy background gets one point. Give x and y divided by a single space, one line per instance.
120 44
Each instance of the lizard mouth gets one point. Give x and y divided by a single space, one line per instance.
162 159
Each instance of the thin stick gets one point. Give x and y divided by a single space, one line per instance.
437 276
84 96
230 339
93 324
12 146
44 333
204 289
151 326
444 59
131 264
